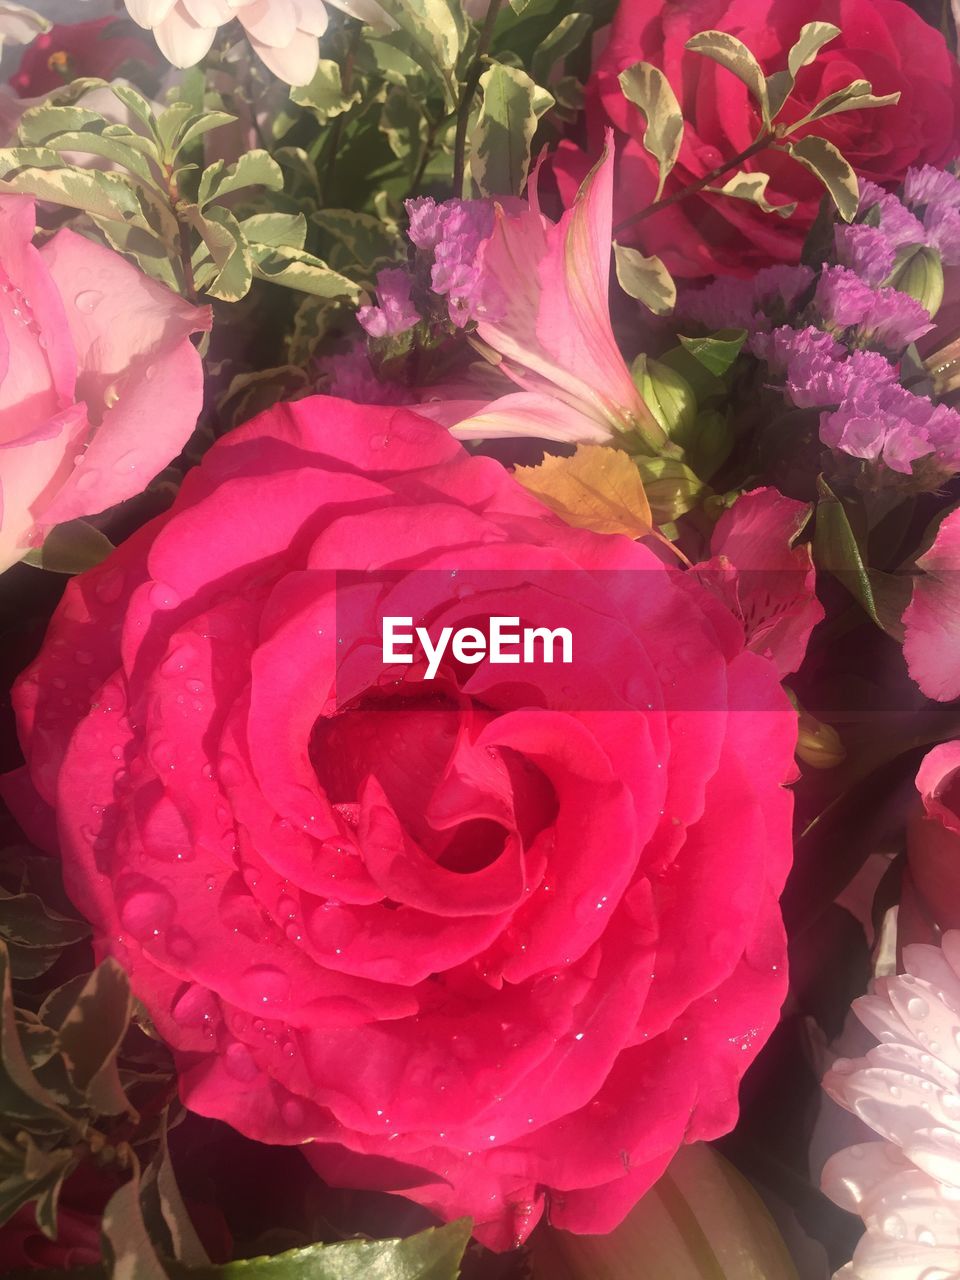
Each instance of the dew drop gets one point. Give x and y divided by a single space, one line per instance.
239 1062
265 984
147 908
195 1007
88 301
894 1226
917 1008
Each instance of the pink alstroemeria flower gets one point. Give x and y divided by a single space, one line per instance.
767 582
100 385
931 620
545 295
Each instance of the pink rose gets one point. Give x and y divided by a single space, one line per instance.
882 41
100 385
495 943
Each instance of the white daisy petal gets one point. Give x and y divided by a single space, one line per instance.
270 22
149 13
907 1088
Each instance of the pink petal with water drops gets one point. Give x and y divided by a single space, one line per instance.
31 473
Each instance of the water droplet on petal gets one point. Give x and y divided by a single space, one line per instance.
239 1062
196 1007
917 1008
293 1113
147 908
88 300
265 984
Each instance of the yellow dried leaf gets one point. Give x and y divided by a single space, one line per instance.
598 488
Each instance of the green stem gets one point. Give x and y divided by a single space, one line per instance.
761 144
466 100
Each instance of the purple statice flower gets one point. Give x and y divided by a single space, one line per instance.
816 370
887 423
942 225
866 250
930 186
396 312
728 303
897 223
453 233
847 306
352 377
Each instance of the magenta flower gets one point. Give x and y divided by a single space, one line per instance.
396 312
884 421
100 385
849 307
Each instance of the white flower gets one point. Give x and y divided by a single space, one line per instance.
20 25
284 33
907 1187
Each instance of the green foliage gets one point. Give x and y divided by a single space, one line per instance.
648 89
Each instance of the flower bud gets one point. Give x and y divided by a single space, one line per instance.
818 744
920 275
672 488
668 394
701 1220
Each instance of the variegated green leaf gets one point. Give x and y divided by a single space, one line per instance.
649 89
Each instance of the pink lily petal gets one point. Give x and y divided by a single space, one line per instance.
525 413
547 296
38 358
931 620
295 63
766 581
32 470
140 375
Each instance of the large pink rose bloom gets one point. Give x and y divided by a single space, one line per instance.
100 385
497 944
882 41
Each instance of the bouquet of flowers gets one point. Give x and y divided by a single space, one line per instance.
480 588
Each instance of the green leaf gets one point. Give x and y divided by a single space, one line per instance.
91 1034
26 921
149 251
42 174
813 36
825 162
110 148
856 96
203 125
297 269
253 169
72 547
31 1173
752 187
22 1097
324 95
837 550
403 123
565 37
502 134
364 238
718 351
171 124
434 1254
128 1250
649 89
164 1211
733 54
645 279
137 105
230 275
279 230
433 33
45 121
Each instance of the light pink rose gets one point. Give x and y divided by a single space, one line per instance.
100 385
